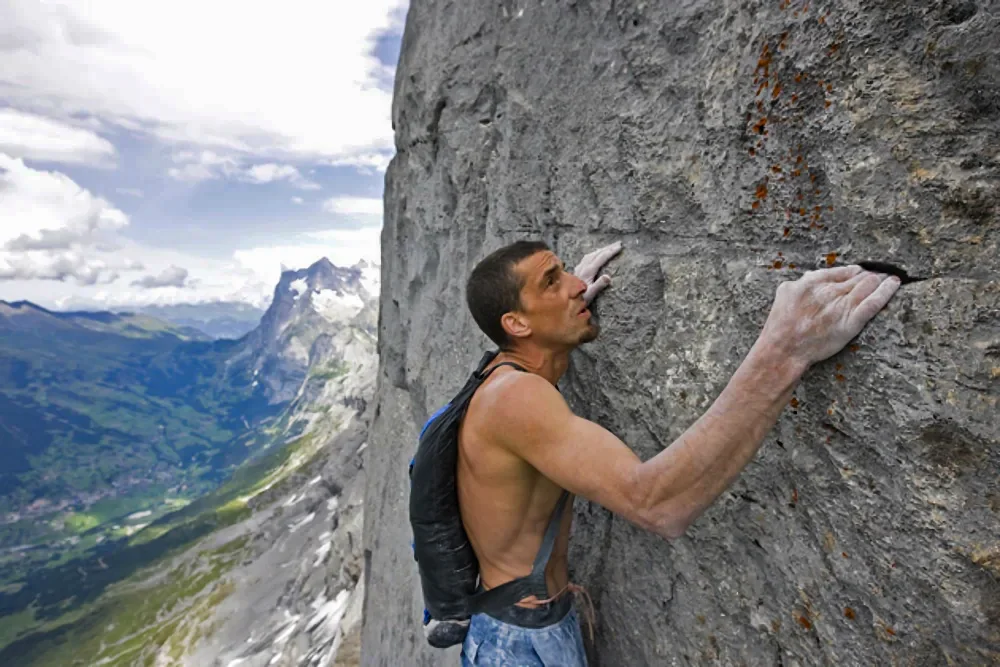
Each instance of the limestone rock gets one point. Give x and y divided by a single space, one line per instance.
730 145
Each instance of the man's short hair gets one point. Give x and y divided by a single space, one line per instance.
494 288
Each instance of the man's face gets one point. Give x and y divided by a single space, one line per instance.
552 302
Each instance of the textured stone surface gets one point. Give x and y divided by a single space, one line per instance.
730 145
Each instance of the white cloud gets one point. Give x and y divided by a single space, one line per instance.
353 206
25 135
172 276
270 172
131 192
297 200
343 247
61 266
367 163
37 206
293 83
249 276
197 166
47 224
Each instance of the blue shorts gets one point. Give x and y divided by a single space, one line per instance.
493 643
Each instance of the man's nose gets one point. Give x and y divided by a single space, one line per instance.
580 288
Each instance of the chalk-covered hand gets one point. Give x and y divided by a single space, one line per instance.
814 317
591 265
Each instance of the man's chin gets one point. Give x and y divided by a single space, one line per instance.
591 334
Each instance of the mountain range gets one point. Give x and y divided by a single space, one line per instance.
219 319
126 438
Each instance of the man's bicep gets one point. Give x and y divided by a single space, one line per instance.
580 456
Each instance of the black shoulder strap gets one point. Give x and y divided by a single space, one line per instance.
549 540
503 363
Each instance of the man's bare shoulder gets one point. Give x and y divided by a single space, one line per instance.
521 404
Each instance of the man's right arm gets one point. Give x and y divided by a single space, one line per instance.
812 319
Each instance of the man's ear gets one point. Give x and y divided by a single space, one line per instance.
516 325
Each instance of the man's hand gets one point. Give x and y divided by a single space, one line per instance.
590 266
815 316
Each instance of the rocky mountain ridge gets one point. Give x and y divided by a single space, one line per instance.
309 305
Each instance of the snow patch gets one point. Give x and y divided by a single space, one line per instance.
332 611
321 554
315 480
298 524
370 279
139 515
291 623
335 307
298 287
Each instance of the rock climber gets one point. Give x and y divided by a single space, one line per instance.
522 451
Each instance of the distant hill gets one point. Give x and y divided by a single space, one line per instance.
223 319
94 403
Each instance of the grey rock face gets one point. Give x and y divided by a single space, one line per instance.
730 145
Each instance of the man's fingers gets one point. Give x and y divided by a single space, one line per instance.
861 286
607 252
596 288
875 302
835 275
592 262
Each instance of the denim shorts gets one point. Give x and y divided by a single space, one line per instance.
493 643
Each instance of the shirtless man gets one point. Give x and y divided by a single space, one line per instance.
520 446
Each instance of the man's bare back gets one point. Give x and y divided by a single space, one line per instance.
505 502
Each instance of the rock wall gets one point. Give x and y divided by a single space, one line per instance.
730 145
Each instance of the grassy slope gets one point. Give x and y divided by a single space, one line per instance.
85 407
112 617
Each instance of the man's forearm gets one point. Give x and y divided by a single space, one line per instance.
682 481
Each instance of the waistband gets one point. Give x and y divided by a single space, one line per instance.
541 616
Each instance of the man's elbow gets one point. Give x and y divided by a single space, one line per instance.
662 519
666 525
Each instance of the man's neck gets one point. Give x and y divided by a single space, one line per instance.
550 364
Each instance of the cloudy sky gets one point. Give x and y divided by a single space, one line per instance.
182 151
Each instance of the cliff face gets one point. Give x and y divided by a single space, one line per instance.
729 145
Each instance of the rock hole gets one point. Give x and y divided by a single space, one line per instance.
959 11
891 269
950 446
